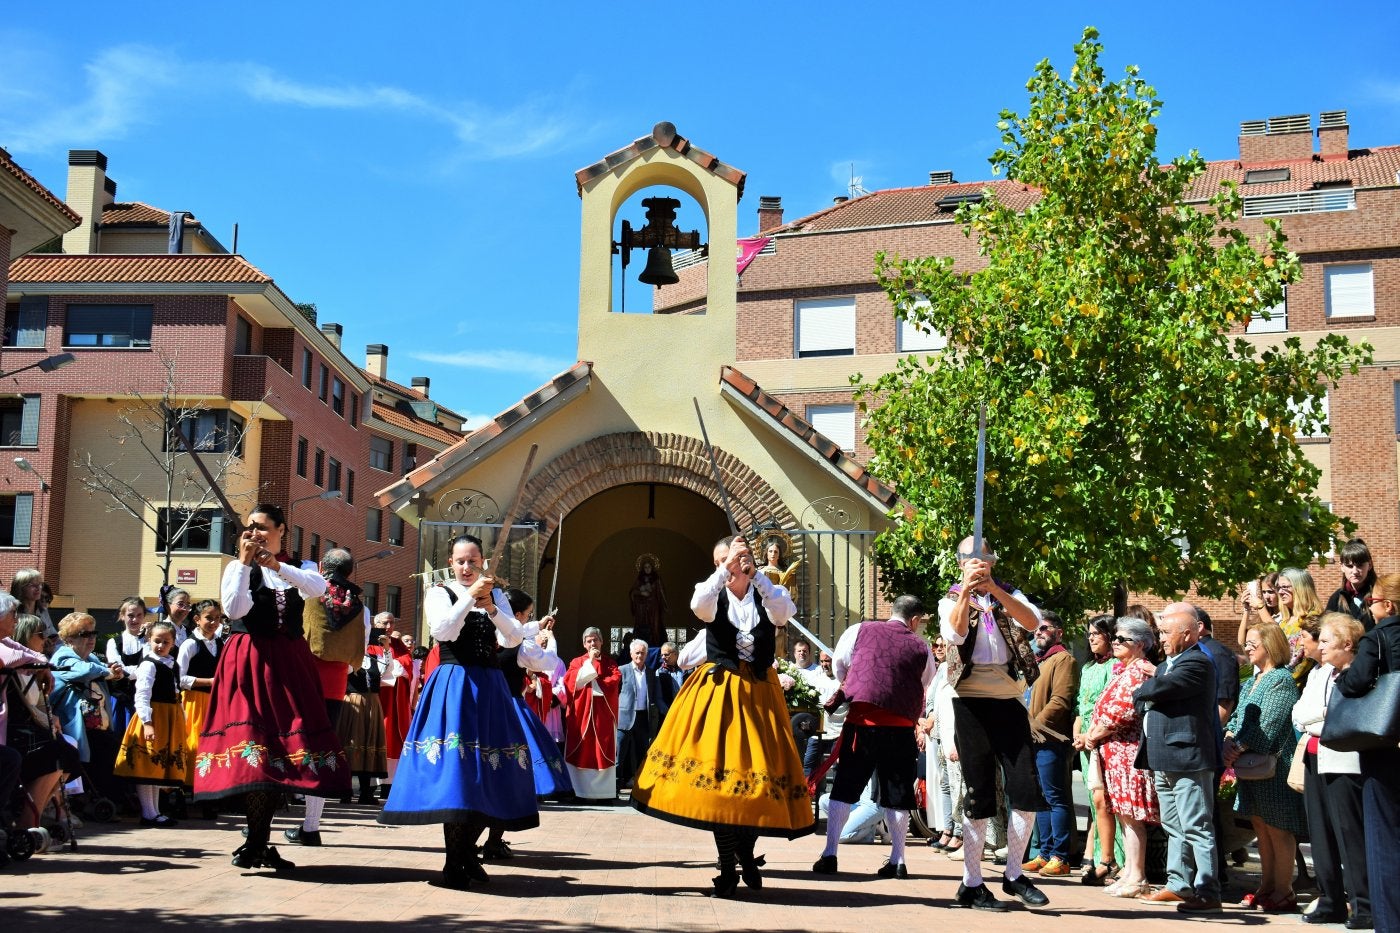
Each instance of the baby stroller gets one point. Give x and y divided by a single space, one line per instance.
33 695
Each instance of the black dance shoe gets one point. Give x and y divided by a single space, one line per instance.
302 837
749 871
475 872
978 898
726 883
1025 892
246 856
889 870
497 850
826 865
456 877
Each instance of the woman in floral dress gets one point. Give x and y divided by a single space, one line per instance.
1116 731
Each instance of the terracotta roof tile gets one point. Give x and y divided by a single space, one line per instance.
893 206
405 392
135 213
663 136
804 433
8 165
1364 168
160 268
425 474
411 422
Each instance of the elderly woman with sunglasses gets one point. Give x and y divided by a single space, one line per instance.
76 669
1115 731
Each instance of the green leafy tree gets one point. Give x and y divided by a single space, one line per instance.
1134 441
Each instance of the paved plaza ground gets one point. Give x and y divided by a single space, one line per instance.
584 868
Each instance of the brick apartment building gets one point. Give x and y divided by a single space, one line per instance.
135 291
810 313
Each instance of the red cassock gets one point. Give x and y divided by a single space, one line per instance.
538 694
394 699
590 737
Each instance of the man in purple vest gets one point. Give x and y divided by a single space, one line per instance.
885 669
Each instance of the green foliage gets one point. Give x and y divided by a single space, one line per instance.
1131 438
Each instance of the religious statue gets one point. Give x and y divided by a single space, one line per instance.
648 599
776 546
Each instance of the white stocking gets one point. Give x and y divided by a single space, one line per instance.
837 813
974 840
314 806
898 823
1019 824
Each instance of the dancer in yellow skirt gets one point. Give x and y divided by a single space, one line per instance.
198 658
725 760
153 753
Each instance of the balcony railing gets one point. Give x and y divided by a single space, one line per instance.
1301 202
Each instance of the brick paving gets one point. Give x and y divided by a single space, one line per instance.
584 868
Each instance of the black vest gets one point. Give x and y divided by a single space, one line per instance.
203 664
364 681
262 618
509 660
475 645
721 637
166 688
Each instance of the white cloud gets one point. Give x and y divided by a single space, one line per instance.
1386 90
473 420
125 87
130 86
534 365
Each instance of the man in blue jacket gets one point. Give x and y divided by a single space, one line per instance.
1181 745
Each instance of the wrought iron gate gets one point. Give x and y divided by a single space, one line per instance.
519 563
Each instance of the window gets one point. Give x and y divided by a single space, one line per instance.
374 520
369 595
15 514
1277 322
837 422
826 327
306 368
320 468
19 421
1260 176
392 600
381 453
193 530
913 338
108 326
315 553
301 457
25 322
325 382
297 536
1350 290
242 336
354 410
338 397
333 474
410 457
219 431
350 487
1317 430
396 531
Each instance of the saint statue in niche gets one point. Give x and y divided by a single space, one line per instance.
648 599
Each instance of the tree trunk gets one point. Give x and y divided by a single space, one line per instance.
1120 599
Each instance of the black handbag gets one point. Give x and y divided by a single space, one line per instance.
1365 723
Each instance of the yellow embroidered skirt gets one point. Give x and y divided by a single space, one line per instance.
196 704
726 759
162 761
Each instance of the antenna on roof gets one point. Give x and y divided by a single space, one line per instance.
855 188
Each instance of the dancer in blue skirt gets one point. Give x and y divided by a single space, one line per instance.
466 762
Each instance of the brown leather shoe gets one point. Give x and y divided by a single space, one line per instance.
1199 905
1164 896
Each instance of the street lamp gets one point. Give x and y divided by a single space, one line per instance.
48 364
326 496
28 467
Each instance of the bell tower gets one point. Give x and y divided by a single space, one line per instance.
623 345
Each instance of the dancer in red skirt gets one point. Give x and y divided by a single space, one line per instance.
266 729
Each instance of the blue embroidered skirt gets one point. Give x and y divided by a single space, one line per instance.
465 757
551 777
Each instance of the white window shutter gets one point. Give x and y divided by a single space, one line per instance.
24 514
826 326
837 422
1350 290
29 422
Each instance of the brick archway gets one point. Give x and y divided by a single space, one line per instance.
612 460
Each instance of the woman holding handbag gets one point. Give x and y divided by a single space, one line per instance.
1261 726
1378 654
1332 785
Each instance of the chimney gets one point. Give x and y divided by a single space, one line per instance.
940 178
420 385
1332 135
88 193
332 333
770 213
377 360
1277 139
840 199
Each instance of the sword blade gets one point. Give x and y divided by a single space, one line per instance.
808 633
558 549
714 467
977 499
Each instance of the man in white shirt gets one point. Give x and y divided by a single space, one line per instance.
637 714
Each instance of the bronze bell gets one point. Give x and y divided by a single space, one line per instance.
658 271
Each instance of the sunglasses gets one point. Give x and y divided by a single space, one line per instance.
84 634
1046 628
1122 640
1251 645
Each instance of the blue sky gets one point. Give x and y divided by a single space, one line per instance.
410 168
